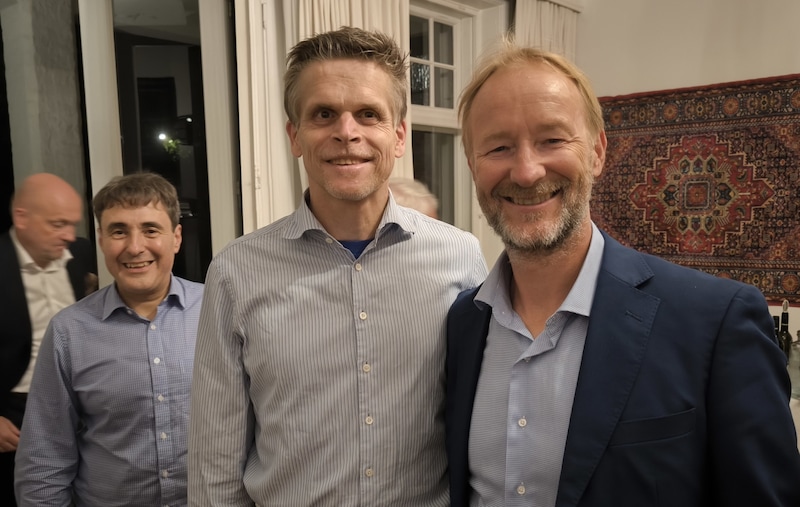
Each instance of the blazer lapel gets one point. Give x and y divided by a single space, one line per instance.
467 328
616 341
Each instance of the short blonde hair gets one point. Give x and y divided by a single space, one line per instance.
512 54
347 43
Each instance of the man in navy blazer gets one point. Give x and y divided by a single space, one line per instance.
584 373
45 211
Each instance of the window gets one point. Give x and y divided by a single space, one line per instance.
432 65
434 93
445 38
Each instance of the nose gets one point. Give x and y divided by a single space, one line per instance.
135 243
68 234
347 129
528 167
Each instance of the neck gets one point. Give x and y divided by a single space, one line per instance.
540 282
145 306
350 220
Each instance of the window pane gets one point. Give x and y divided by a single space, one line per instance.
442 43
444 88
419 38
420 84
434 164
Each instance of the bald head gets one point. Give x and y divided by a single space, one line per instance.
45 210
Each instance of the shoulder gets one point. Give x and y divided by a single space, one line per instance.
192 291
435 231
263 238
9 264
667 279
7 246
465 302
86 310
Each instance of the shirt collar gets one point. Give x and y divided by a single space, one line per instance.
303 220
113 301
26 262
495 289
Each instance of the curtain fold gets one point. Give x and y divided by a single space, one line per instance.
546 25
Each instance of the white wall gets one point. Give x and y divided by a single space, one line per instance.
630 46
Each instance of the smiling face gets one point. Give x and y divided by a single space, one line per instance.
139 246
532 157
348 132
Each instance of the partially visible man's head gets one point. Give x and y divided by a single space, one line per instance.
414 194
139 234
343 44
45 210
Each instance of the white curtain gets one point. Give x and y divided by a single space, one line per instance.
546 25
305 18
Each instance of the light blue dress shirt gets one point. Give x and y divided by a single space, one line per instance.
107 415
525 390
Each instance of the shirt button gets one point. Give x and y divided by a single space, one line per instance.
521 489
156 360
369 472
163 436
160 397
328 240
362 315
153 327
366 368
164 474
369 420
358 266
522 422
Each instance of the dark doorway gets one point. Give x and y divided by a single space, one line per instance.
163 129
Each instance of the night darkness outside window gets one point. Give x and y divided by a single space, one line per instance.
432 63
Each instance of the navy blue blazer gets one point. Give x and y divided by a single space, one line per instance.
682 396
15 336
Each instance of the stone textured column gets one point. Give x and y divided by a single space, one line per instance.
42 76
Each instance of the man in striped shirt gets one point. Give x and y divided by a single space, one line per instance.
319 371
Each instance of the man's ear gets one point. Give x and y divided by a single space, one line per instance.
600 153
291 131
19 217
400 145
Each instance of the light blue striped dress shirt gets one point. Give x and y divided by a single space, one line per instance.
319 377
524 398
107 414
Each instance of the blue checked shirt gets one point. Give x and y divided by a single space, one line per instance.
107 414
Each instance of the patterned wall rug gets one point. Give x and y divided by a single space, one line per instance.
709 178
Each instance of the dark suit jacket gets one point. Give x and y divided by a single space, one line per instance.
15 336
682 396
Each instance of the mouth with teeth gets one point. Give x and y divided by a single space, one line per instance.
531 200
137 265
347 161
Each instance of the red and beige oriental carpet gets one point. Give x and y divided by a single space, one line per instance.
709 178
